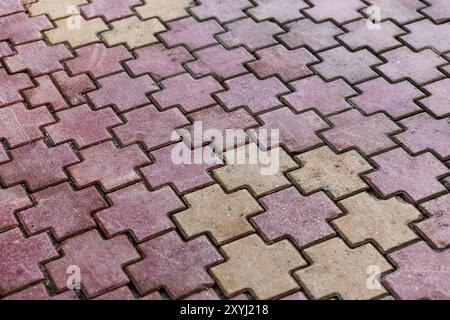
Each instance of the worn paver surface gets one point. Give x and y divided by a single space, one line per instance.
212 149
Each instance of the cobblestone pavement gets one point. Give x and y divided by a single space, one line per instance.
97 96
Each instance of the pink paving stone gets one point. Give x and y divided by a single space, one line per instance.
420 67
249 91
423 132
223 10
402 11
73 88
368 134
62 210
150 126
215 118
439 10
188 93
159 62
20 28
5 50
100 261
11 6
298 132
82 125
132 93
439 101
3 155
183 176
436 227
421 273
180 267
360 35
295 296
11 201
98 60
109 9
38 58
317 36
353 66
38 292
109 166
288 64
250 34
37 165
338 10
144 213
20 259
324 97
18 125
11 87
396 99
221 62
191 33
204 295
415 177
46 93
426 34
124 293
303 219
280 10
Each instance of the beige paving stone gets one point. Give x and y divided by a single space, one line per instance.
133 32
336 173
258 170
76 31
164 9
384 221
263 269
337 269
222 215
56 9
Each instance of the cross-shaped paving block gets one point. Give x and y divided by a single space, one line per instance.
20 28
159 62
188 93
263 269
179 267
11 201
338 269
421 273
45 93
38 58
352 66
150 126
439 10
100 262
324 97
436 228
164 9
11 6
340 11
426 34
415 177
144 213
220 61
288 64
423 132
109 166
396 99
62 210
11 86
317 36
177 165
98 60
223 216
37 165
280 10
420 67
92 129
402 11
109 10
258 170
40 293
383 221
249 91
250 34
122 91
133 32
223 10
301 219
18 125
368 134
191 33
439 100
297 132
336 173
73 88
55 9
20 259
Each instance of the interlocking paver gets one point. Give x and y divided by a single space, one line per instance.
222 10
280 10
56 10
164 9
45 93
11 86
12 200
340 10
124 293
439 101
402 11
3 155
435 228
426 34
38 292
438 11
11 6
110 10
73 88
20 28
